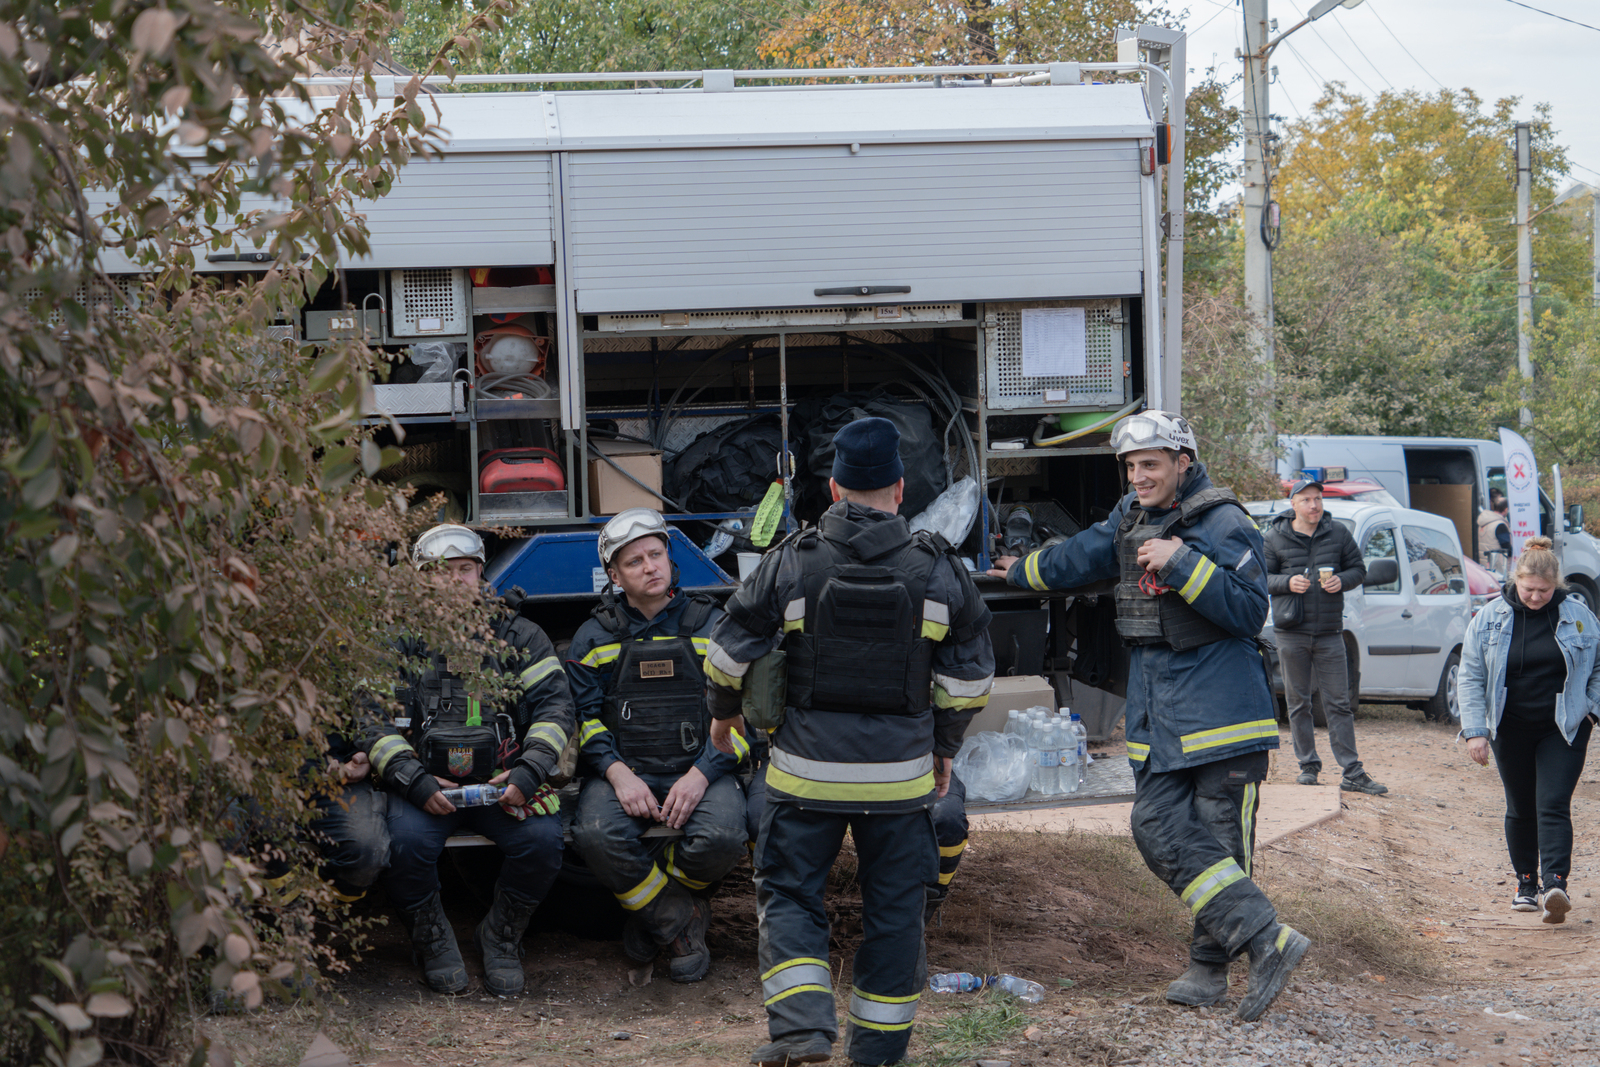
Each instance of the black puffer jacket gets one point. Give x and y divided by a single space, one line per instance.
1290 552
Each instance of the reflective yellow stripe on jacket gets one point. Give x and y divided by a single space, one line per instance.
1228 735
811 779
386 749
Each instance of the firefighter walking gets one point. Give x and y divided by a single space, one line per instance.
1191 598
888 658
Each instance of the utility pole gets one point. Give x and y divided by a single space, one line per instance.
1260 212
1524 262
1257 117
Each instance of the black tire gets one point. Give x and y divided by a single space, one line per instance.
1445 704
1583 590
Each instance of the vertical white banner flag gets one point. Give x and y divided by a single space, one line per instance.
1522 489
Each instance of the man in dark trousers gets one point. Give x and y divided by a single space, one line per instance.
1191 598
1311 560
888 658
647 757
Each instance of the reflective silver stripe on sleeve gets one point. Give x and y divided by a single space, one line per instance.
724 662
962 689
934 611
549 733
824 771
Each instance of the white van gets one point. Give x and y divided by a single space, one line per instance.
1449 477
1403 628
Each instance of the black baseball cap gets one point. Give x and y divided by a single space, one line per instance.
1301 484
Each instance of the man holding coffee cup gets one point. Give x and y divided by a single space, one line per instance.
1310 560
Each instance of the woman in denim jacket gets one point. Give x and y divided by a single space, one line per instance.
1530 688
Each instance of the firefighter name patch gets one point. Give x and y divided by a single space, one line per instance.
655 668
459 760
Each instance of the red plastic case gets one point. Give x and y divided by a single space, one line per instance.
520 470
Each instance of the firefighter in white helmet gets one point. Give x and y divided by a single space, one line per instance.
647 757
443 737
1191 598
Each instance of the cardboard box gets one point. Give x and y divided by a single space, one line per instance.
1453 502
1020 692
610 492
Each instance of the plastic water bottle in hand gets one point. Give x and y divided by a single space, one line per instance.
474 796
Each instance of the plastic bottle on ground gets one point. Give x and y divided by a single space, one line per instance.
474 796
1024 989
959 982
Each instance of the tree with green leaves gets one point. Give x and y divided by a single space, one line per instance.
195 576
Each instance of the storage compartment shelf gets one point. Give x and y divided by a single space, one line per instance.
521 507
513 299
549 408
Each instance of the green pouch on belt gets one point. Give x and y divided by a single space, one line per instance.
765 685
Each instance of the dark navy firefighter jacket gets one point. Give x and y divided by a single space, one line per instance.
1202 704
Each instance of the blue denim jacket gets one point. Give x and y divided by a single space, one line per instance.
1483 657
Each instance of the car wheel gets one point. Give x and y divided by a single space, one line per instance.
1583 591
1445 705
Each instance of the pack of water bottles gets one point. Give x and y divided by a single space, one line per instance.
1040 753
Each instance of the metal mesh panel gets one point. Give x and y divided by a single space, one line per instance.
428 302
96 296
1103 382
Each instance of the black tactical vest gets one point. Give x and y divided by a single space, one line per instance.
861 648
1167 618
655 702
448 730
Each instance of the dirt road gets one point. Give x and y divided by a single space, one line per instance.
1406 896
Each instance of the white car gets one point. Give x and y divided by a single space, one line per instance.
1403 629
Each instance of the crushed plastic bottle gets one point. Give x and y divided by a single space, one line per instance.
474 796
1024 989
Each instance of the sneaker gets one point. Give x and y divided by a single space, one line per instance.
1306 778
1556 904
1527 898
1363 783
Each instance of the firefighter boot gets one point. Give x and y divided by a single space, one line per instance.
1201 984
433 947
691 959
499 938
1274 954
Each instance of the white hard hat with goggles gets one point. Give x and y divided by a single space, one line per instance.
628 526
448 541
1154 429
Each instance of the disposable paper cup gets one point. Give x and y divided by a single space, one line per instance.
747 564
1324 573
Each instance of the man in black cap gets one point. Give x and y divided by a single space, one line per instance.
888 659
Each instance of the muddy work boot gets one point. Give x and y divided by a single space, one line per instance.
1274 954
1202 984
691 959
499 938
434 949
806 1046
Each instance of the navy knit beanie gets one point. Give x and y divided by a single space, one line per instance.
867 454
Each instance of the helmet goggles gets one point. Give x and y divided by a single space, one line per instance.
628 526
1153 429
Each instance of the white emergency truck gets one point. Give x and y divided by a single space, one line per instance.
679 252
1450 477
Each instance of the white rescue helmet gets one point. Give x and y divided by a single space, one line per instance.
1154 429
447 541
628 526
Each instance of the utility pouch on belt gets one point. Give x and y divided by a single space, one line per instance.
766 683
461 751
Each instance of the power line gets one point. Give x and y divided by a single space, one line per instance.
1403 48
1553 15
1364 55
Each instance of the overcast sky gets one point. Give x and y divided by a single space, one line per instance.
1494 47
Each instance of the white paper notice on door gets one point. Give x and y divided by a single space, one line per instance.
1053 343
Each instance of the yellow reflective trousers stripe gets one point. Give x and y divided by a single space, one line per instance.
805 974
882 1013
1213 880
1247 821
645 891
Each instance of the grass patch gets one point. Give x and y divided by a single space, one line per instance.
1352 934
993 1020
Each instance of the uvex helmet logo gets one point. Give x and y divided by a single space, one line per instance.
1520 471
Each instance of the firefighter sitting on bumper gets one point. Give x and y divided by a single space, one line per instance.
443 737
646 754
888 658
1191 598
